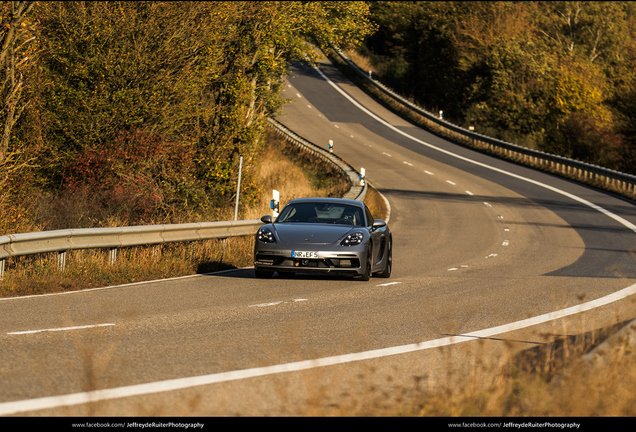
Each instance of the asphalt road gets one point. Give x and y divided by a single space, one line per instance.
484 251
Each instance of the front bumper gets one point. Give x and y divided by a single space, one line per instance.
333 262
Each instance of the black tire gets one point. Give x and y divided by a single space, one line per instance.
263 274
386 273
367 270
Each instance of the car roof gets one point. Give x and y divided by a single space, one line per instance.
327 200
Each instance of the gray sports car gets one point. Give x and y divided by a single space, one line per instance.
324 235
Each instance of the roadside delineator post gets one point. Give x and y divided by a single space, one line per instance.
274 203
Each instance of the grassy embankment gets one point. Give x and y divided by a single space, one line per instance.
283 167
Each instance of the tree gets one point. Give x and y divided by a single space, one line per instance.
193 81
14 55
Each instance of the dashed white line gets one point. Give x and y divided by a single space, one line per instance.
389 283
450 182
275 303
429 173
408 163
470 193
386 154
60 329
266 304
463 266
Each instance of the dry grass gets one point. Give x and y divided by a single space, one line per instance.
550 381
90 268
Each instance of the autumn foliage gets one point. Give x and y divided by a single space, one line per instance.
556 76
139 112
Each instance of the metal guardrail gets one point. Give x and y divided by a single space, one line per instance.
357 192
65 240
592 175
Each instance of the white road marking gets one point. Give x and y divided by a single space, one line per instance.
128 285
487 204
429 173
275 303
60 329
389 283
266 304
408 163
14 407
470 193
450 182
386 154
505 243
463 266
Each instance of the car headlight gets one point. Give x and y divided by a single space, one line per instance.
265 235
353 239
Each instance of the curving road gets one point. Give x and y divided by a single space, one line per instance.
490 258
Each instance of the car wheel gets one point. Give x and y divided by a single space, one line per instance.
389 261
263 274
367 270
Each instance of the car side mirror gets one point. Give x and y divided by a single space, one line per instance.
378 223
266 219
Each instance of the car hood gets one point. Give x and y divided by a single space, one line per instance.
310 233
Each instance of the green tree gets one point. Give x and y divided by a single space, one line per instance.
188 84
551 75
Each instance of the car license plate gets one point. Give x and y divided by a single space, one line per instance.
301 254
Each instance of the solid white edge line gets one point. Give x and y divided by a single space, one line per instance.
80 291
8 408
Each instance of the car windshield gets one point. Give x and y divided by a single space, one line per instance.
328 213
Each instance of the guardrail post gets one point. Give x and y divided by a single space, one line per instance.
112 256
238 188
61 260
2 269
